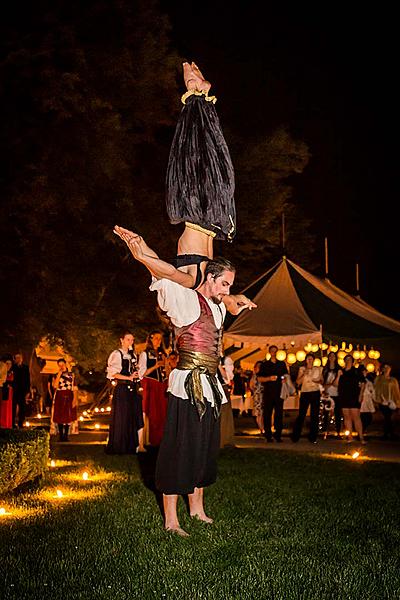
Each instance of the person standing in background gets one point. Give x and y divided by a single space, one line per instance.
387 396
271 375
153 375
225 375
22 386
310 379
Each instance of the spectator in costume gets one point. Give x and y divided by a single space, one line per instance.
64 405
153 375
6 392
126 427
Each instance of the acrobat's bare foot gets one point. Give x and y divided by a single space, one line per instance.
194 79
202 517
178 531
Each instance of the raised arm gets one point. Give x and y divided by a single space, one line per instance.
159 268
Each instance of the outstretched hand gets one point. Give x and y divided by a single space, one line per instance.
235 304
132 240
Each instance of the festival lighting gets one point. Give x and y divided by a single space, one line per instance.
59 494
96 410
97 426
324 346
356 355
108 408
27 424
308 347
2 510
370 367
281 355
81 418
85 476
53 463
363 354
355 455
300 355
341 354
334 348
314 348
341 362
85 413
317 362
102 409
324 360
38 416
347 433
291 358
267 356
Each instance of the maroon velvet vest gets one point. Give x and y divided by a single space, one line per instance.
202 335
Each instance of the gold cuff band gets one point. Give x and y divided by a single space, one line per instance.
189 93
201 229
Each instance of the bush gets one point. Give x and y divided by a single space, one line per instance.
23 456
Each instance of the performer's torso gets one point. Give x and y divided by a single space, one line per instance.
201 336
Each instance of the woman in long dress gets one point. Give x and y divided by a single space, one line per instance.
152 372
6 398
126 428
64 407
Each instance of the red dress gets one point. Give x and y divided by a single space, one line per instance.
6 403
63 411
155 401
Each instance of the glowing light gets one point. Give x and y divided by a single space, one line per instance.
343 345
52 463
59 494
308 347
108 408
27 424
341 354
377 354
2 510
334 348
362 354
347 433
96 409
370 368
38 416
356 355
324 346
97 426
281 355
341 362
81 418
291 358
85 476
113 382
317 362
314 348
300 355
102 410
355 455
324 360
85 413
349 348
267 356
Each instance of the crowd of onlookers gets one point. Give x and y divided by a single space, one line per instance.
15 390
340 399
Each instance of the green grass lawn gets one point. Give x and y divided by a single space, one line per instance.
287 526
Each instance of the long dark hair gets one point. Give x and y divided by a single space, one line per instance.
327 367
149 343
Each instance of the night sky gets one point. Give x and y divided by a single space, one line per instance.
330 78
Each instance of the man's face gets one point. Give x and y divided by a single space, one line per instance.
220 286
273 350
62 366
18 359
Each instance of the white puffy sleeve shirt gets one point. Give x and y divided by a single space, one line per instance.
183 308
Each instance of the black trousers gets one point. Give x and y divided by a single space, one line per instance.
189 448
312 400
387 420
366 420
19 400
272 402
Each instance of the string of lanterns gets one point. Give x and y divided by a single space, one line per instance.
291 357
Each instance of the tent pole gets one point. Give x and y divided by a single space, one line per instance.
357 280
322 339
326 259
283 235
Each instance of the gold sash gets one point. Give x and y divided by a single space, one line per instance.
200 364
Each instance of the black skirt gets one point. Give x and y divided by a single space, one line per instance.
126 420
200 178
188 452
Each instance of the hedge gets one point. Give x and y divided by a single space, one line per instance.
24 456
